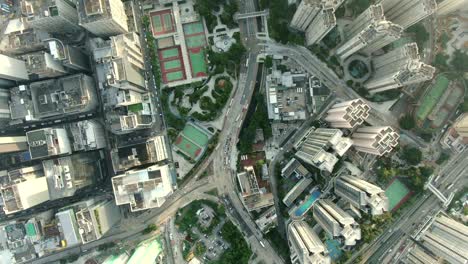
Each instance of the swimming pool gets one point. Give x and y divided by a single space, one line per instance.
307 204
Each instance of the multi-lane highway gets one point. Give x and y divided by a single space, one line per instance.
452 173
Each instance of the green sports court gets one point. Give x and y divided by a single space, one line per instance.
431 98
162 22
192 141
397 194
172 64
169 53
197 62
193 28
174 76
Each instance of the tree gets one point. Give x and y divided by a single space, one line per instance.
464 106
459 62
407 122
411 155
420 34
150 228
440 61
268 61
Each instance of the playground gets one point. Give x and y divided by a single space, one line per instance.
192 141
397 194
162 22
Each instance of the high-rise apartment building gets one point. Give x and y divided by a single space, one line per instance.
13 144
362 194
96 218
153 150
348 114
305 14
305 245
120 59
368 33
336 222
312 148
12 70
21 38
103 18
449 6
41 65
145 188
48 142
408 12
461 125
397 68
446 239
71 57
375 140
24 188
54 16
69 95
320 26
5 113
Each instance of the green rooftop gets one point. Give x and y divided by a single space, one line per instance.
135 108
30 230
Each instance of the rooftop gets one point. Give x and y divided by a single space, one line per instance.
68 174
151 151
143 189
254 197
48 142
44 99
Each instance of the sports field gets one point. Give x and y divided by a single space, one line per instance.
432 97
192 141
195 41
174 76
397 194
162 22
193 28
197 62
172 64
169 53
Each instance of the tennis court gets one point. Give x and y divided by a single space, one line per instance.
196 135
187 147
195 41
334 249
397 194
162 22
169 53
192 141
432 97
172 64
193 28
174 76
197 62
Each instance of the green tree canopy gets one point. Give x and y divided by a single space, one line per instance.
407 122
411 155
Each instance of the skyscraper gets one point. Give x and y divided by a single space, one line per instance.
348 114
461 125
336 222
305 245
103 18
446 238
448 6
305 14
362 194
120 59
397 68
323 23
314 145
375 140
42 65
13 144
408 12
54 16
368 33
12 70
